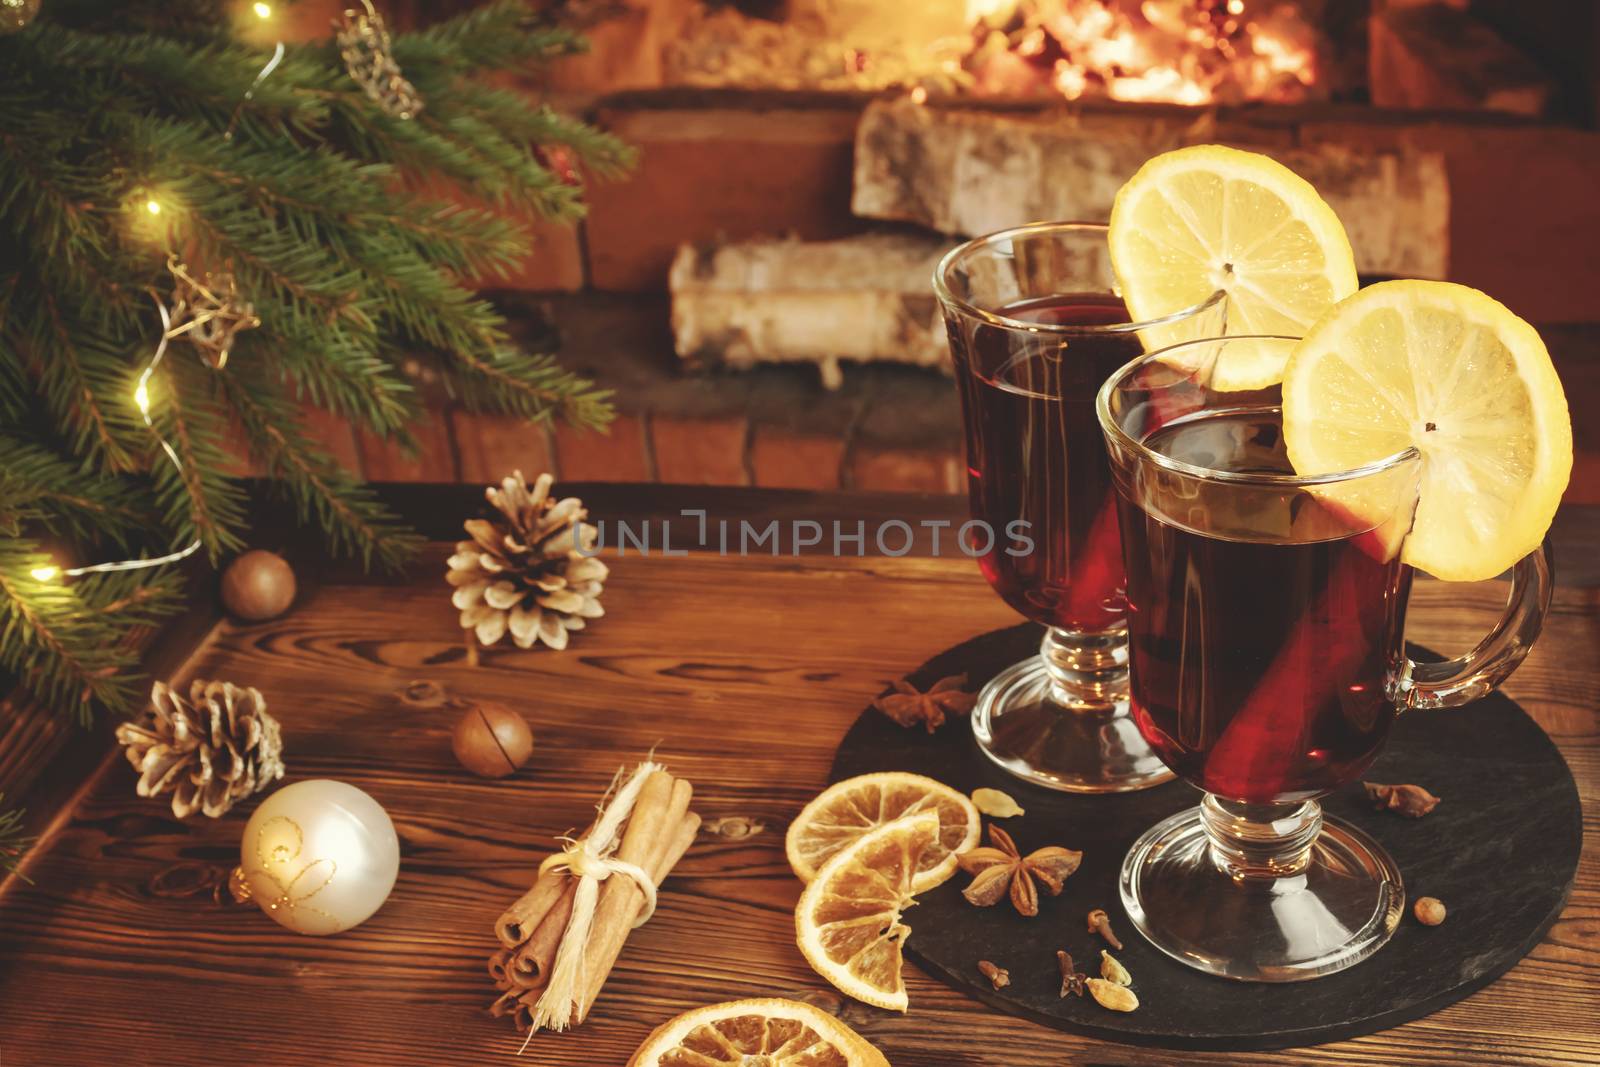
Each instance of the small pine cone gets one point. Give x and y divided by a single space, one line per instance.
216 748
525 570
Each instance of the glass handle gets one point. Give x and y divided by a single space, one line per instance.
1466 678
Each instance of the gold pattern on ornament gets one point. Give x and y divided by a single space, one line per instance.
368 55
208 312
279 843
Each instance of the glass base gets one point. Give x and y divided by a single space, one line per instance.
1067 727
1261 893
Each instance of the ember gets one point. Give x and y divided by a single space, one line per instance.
1172 51
1175 51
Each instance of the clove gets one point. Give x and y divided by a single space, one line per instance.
998 976
1100 923
1072 979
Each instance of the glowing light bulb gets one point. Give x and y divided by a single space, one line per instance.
141 396
45 574
152 207
263 11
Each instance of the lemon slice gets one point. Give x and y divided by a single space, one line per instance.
1452 372
855 807
847 923
1205 218
768 1032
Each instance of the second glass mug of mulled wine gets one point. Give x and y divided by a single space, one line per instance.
1035 326
1266 622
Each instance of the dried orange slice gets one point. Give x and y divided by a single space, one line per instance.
849 810
761 1032
847 923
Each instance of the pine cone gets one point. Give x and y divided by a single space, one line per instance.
216 748
523 571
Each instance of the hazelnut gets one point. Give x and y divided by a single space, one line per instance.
259 585
491 740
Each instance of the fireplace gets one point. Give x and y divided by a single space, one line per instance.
1168 51
758 292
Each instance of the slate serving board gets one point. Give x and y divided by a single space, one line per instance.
1500 850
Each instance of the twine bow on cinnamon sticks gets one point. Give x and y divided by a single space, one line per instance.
560 940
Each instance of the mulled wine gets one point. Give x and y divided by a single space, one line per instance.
1035 456
1263 627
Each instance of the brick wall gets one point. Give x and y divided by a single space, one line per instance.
728 164
1524 226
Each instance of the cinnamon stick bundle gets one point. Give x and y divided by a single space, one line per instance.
562 925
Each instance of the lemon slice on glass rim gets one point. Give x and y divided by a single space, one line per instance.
1208 217
1451 372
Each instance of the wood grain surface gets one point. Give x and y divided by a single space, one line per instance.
743 674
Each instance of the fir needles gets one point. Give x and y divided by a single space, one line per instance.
327 212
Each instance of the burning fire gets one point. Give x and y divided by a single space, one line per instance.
1175 51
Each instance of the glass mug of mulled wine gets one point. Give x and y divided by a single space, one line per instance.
1035 327
1266 631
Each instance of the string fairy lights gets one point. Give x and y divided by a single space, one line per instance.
262 12
209 314
141 399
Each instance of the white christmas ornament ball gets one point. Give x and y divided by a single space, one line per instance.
319 856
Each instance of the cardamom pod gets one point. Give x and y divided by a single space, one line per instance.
1111 995
995 804
1113 971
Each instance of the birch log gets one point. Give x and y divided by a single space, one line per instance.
865 298
968 172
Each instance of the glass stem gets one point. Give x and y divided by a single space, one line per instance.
1260 842
1088 671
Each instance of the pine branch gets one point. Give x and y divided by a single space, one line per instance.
517 383
356 523
66 642
76 370
507 171
12 842
339 225
198 500
333 371
38 486
504 35
603 154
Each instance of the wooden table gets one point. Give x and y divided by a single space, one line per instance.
743 673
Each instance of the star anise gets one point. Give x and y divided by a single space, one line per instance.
908 707
1001 870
